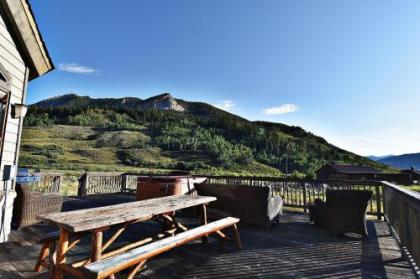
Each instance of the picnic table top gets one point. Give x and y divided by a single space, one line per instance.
99 217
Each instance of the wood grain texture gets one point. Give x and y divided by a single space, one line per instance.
94 218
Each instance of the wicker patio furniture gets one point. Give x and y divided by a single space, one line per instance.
343 211
29 204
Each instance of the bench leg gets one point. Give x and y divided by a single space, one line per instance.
136 269
43 254
203 221
237 237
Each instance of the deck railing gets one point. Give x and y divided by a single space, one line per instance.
400 207
299 193
402 212
49 182
100 183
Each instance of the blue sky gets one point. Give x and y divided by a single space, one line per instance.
345 70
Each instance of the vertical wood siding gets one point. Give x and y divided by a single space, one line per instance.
14 64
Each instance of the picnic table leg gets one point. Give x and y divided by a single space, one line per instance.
203 220
96 247
63 244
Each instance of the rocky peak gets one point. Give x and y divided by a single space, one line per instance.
163 101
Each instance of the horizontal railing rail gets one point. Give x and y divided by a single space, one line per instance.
402 212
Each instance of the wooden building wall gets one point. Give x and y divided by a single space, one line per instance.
15 66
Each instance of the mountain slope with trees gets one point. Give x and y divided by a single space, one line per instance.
161 133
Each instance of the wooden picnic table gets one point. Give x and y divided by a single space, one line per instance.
95 221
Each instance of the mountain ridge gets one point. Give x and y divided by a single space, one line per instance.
377 158
169 125
403 161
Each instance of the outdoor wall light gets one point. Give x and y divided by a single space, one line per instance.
19 110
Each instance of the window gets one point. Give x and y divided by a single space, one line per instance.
4 82
4 102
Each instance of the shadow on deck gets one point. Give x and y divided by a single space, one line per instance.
293 248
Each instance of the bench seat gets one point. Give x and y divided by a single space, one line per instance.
138 256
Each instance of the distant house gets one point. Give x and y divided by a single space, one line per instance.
23 57
414 174
346 172
360 172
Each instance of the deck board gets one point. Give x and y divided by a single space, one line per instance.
292 249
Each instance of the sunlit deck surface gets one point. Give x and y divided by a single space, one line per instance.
293 248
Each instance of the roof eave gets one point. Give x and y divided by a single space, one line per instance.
28 39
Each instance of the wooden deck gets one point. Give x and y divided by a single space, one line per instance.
292 249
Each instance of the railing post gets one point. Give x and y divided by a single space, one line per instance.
83 184
378 202
124 182
60 181
384 201
305 205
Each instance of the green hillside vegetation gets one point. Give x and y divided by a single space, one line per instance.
202 139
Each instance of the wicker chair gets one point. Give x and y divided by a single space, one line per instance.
343 211
29 204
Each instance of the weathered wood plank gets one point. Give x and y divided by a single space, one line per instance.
89 219
109 266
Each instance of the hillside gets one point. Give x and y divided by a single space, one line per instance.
404 161
162 133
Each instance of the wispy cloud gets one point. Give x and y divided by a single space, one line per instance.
282 109
76 68
228 105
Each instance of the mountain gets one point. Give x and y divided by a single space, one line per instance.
163 101
404 161
377 158
162 132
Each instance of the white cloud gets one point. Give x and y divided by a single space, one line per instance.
76 68
227 105
282 109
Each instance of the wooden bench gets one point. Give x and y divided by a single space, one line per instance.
137 257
